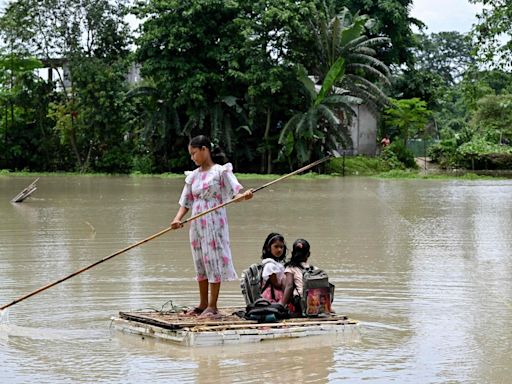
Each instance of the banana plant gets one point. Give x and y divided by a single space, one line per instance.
324 124
343 35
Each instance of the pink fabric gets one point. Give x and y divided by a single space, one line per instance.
267 294
272 267
297 277
209 235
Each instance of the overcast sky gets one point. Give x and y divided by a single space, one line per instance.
446 15
438 15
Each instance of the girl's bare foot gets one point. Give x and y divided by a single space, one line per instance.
210 313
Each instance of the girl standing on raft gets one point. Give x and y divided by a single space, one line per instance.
209 185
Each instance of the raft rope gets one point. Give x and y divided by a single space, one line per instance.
174 308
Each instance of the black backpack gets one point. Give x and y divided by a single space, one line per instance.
263 311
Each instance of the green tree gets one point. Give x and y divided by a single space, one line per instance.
448 54
478 83
155 124
408 116
441 64
349 72
392 19
422 84
26 137
190 49
493 118
101 113
68 34
493 32
271 30
227 67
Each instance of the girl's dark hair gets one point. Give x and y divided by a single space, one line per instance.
271 239
216 152
300 252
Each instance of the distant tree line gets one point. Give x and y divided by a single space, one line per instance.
272 82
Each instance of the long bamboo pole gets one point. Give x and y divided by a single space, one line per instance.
45 287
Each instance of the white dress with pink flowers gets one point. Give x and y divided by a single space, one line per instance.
209 235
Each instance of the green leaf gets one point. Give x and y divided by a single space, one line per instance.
332 77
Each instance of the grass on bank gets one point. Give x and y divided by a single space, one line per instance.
349 166
379 168
240 176
415 174
357 166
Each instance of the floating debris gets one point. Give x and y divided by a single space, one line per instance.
25 193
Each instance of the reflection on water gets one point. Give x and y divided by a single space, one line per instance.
425 265
297 359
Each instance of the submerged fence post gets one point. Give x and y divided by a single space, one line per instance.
343 165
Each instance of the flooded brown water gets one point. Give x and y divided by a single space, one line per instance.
425 265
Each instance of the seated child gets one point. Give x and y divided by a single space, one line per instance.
273 277
293 276
318 300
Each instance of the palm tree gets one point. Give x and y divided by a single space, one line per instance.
343 35
349 73
320 126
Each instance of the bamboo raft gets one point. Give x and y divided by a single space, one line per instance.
184 330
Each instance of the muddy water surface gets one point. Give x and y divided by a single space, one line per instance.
425 265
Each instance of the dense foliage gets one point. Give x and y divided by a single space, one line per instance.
494 33
273 82
468 105
85 107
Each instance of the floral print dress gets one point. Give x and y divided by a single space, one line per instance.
209 234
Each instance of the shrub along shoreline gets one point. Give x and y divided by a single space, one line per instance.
353 166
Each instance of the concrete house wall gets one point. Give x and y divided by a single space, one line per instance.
363 131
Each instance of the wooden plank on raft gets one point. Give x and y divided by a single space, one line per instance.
25 193
281 324
174 321
226 321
